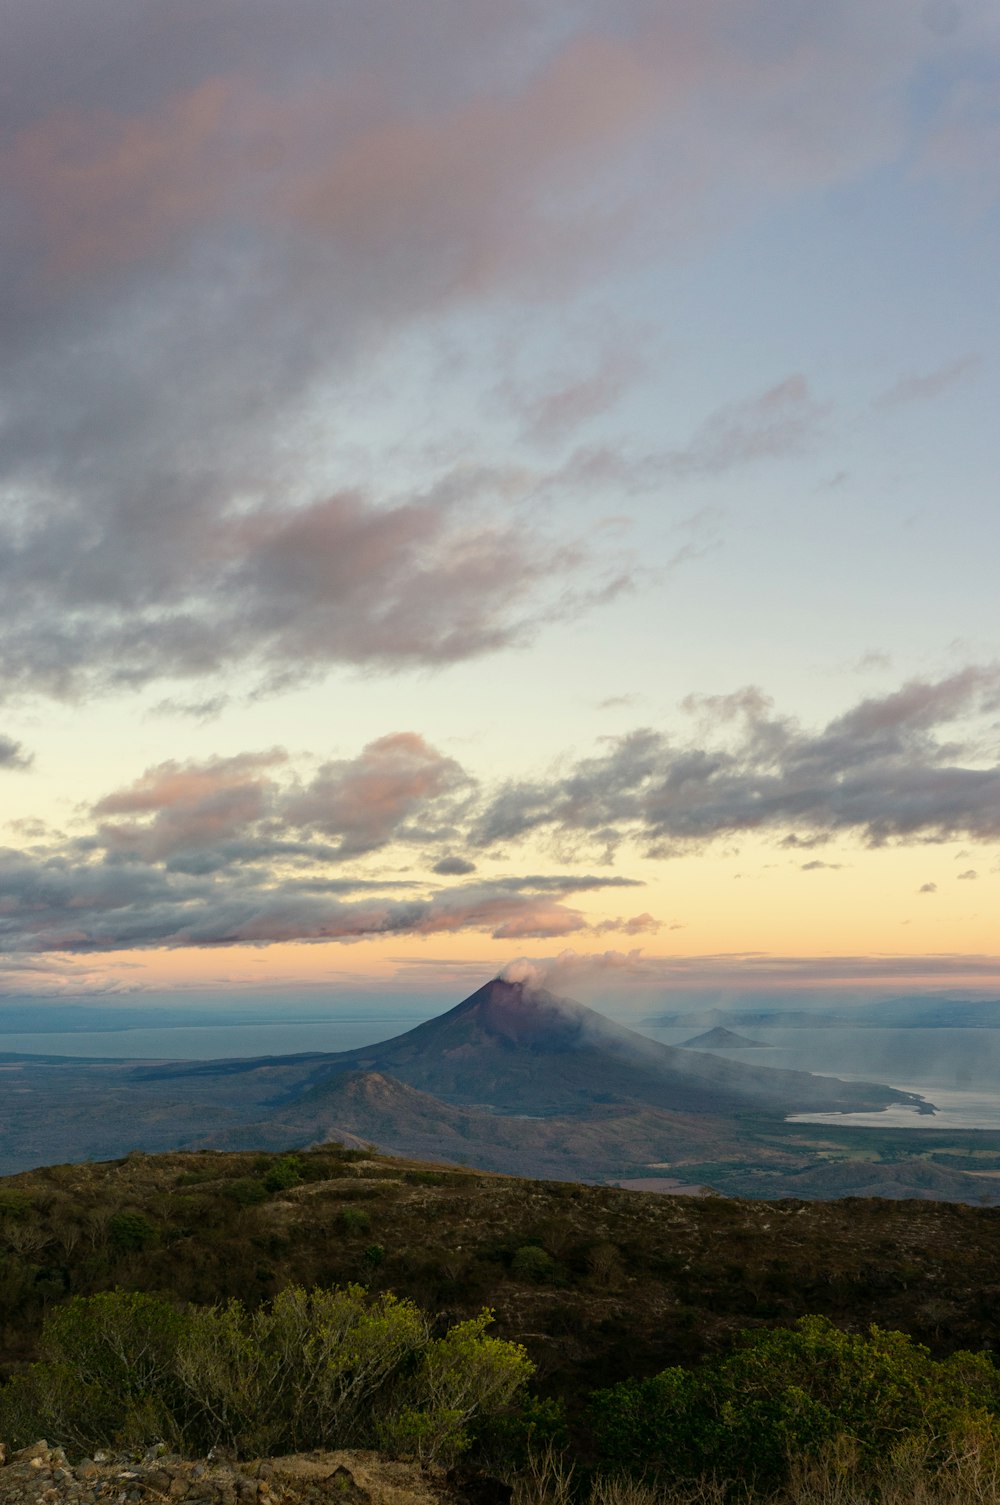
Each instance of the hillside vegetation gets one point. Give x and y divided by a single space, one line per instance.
598 1283
198 1300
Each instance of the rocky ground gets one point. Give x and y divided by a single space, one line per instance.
43 1474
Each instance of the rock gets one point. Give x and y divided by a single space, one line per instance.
35 1450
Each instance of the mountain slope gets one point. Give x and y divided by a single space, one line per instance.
359 1107
512 1049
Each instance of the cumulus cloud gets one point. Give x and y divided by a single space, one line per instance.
639 924
189 806
398 788
239 850
251 849
453 867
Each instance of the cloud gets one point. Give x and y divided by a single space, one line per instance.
565 405
728 975
879 771
251 849
970 873
398 788
784 420
191 806
927 888
816 867
13 754
68 904
923 387
454 867
640 924
215 234
238 851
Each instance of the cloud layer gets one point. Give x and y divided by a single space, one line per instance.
251 850
215 230
881 771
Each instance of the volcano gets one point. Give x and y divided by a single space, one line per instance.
514 1049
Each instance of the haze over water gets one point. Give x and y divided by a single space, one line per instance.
958 1070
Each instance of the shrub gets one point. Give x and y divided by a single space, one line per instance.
795 1393
285 1172
129 1231
354 1220
460 1376
107 1375
14 1205
304 1372
532 1263
314 1369
246 1191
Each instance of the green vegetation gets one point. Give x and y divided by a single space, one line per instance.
789 1396
345 1368
333 1368
200 1298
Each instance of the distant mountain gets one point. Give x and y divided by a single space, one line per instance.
509 1049
511 1079
916 1012
721 1038
512 1049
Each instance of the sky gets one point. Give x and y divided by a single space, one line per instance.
499 479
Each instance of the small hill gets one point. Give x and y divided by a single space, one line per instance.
721 1038
374 1108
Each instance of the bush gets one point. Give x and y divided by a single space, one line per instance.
305 1372
14 1205
285 1172
246 1191
107 1376
314 1369
460 1376
354 1220
795 1393
129 1231
532 1263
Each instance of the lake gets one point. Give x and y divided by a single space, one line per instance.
956 1069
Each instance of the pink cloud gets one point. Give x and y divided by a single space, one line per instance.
364 801
923 386
104 189
191 805
554 413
